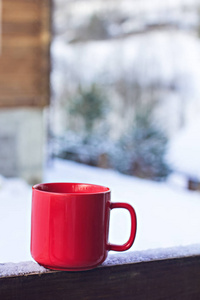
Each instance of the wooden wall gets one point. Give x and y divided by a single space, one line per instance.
24 58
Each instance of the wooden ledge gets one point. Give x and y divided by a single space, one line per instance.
175 278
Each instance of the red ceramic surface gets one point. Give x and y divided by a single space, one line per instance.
70 224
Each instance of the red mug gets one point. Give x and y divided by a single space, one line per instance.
70 225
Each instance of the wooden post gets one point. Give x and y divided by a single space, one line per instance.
24 59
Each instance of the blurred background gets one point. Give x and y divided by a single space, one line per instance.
113 84
125 85
108 92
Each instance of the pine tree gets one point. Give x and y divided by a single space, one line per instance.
89 104
143 149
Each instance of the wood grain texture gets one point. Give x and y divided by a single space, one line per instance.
25 58
170 279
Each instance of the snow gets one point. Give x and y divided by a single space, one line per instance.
15 214
152 254
167 216
22 268
184 149
144 12
114 57
151 59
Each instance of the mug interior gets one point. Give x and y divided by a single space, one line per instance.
71 188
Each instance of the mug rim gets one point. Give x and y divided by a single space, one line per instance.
104 190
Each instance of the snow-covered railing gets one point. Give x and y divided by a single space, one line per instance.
152 274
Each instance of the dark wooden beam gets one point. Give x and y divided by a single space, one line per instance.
171 279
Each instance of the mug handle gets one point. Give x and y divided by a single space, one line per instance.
131 239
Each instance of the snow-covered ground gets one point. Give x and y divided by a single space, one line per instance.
167 214
184 150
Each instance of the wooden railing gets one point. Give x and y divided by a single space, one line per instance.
171 279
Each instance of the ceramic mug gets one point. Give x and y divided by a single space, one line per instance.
70 225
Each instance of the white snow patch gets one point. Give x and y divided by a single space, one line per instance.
184 150
22 268
152 254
